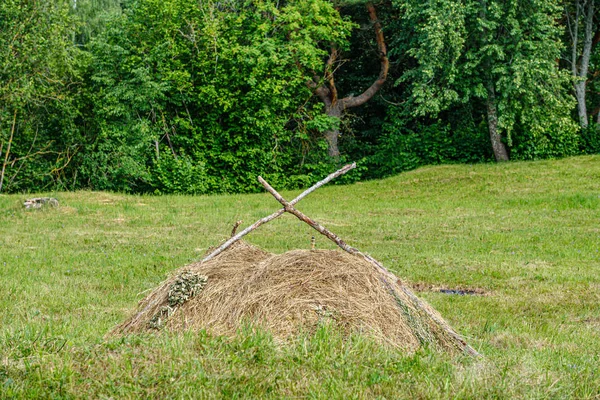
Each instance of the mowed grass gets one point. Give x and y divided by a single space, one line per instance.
528 234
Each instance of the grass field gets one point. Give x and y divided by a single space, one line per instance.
526 234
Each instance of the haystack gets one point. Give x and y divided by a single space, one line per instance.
293 292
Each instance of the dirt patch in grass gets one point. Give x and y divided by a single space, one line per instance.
453 290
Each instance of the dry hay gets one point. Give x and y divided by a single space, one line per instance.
287 294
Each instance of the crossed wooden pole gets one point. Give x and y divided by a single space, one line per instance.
287 207
387 278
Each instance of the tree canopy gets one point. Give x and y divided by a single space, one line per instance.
179 96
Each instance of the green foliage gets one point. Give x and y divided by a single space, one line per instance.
466 49
558 138
590 139
404 147
92 15
179 96
181 175
220 90
39 77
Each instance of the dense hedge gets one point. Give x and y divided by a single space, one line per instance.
179 96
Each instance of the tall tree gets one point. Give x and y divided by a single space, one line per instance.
501 52
38 66
583 34
203 96
325 87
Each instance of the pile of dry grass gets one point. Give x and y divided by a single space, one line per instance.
289 293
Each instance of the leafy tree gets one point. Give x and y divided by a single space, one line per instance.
38 65
92 15
211 93
326 89
499 52
200 97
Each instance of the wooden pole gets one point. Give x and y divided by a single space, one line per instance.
278 213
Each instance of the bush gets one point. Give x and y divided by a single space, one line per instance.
405 147
590 139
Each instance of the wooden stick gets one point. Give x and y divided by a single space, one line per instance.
235 226
301 216
243 233
278 213
317 185
12 132
387 275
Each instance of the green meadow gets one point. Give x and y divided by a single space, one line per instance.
524 236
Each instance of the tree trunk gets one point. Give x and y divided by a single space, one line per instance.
327 91
332 135
580 64
492 114
332 143
581 107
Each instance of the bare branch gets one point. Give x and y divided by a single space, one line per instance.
587 39
349 102
575 40
235 226
166 131
327 179
12 133
318 227
568 16
329 75
276 214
